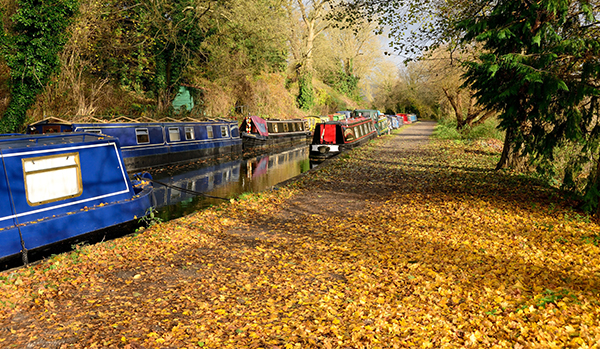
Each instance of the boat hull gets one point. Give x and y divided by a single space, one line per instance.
58 187
253 142
318 154
136 160
72 226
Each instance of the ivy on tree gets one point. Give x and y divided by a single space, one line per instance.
30 48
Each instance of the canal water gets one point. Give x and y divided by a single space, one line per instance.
176 188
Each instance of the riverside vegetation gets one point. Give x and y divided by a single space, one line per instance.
396 244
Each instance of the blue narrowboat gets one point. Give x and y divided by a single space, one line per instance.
259 133
55 188
333 137
149 144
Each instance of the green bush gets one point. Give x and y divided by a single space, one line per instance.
446 129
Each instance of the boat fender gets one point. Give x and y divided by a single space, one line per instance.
248 124
324 149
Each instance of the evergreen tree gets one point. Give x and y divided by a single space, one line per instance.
540 69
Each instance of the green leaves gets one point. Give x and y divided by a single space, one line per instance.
30 49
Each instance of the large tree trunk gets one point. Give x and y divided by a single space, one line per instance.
511 156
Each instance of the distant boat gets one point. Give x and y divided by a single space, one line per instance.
258 133
55 188
382 124
334 137
152 143
395 121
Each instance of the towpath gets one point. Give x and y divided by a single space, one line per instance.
401 243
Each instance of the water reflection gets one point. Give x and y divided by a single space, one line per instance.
225 180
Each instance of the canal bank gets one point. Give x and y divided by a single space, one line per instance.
400 243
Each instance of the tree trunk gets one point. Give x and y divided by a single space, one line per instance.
512 157
505 149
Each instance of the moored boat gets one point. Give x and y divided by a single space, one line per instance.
382 124
152 143
404 117
394 121
333 137
55 188
259 133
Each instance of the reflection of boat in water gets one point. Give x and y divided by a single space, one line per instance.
261 165
199 186
194 182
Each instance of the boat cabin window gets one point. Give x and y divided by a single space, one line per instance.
174 134
285 128
275 128
209 132
224 132
52 178
189 133
349 134
142 135
92 130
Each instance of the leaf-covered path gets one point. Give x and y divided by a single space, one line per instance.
403 243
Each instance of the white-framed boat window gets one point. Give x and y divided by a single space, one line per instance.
275 128
285 127
93 130
52 178
174 135
209 132
189 133
142 136
224 132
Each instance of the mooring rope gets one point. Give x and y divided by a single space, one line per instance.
189 191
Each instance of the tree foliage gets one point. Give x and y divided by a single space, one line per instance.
540 70
131 57
30 45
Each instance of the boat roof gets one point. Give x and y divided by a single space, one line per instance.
16 141
348 121
120 119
